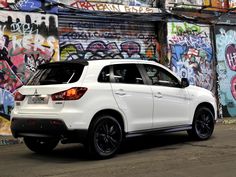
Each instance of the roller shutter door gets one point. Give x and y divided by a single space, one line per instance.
94 38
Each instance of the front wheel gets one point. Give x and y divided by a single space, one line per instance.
203 124
105 137
40 145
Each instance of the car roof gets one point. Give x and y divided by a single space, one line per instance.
98 62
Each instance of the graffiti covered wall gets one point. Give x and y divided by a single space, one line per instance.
191 53
76 3
26 40
96 39
226 68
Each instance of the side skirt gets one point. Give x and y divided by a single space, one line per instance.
158 130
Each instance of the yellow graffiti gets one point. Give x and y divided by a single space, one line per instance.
4 126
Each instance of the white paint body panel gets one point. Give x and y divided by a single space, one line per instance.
140 107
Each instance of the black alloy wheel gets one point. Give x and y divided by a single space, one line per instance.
203 124
105 137
40 145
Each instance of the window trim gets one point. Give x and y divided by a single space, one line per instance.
112 75
161 69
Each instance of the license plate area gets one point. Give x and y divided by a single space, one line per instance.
38 99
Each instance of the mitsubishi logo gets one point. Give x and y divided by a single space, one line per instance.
36 92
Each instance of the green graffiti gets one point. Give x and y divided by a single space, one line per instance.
186 28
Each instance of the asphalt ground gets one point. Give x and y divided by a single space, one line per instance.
167 155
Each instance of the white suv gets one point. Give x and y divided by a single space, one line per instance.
102 102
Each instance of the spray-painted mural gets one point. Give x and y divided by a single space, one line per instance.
49 6
226 68
87 39
130 6
144 3
26 40
191 53
232 3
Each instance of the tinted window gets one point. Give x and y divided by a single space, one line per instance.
127 73
104 76
58 74
160 76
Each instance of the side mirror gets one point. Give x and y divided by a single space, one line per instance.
184 82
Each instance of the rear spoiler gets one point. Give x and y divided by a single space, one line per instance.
72 63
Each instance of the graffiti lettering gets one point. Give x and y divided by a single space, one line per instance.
226 59
191 54
113 7
185 29
23 28
230 53
23 46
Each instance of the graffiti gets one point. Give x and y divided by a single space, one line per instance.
25 42
6 102
191 53
3 3
226 67
89 4
92 39
101 50
131 6
49 6
230 55
185 29
232 3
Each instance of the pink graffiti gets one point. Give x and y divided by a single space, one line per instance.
3 3
233 87
83 5
230 55
8 79
130 48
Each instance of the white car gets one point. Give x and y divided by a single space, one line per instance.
101 102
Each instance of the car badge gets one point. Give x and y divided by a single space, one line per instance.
36 92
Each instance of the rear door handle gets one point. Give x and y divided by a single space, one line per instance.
158 95
120 92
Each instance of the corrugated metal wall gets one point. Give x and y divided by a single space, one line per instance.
97 38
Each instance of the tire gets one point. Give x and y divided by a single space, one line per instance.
40 145
203 124
105 137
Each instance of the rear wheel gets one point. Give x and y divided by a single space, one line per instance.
105 137
40 145
203 124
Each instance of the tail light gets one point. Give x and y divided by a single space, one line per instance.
18 96
70 94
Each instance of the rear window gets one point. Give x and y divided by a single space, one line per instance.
56 74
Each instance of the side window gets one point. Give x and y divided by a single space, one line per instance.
127 73
104 75
160 76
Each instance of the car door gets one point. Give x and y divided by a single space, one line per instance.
133 97
170 100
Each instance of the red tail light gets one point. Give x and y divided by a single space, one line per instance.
18 96
70 94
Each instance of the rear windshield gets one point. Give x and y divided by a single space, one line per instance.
56 74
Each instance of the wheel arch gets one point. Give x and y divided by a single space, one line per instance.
116 114
207 105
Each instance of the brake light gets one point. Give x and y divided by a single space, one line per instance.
70 94
18 96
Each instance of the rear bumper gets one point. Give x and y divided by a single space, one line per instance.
24 127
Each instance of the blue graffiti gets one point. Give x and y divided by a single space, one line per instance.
6 102
49 6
